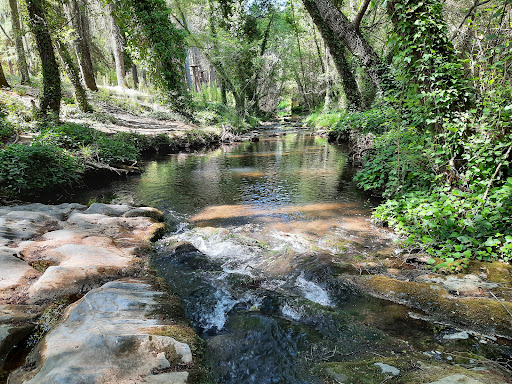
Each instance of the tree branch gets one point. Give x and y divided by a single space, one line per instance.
5 33
360 14
475 5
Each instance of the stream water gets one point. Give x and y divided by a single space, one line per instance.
274 225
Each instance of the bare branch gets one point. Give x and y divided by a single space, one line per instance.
475 5
360 14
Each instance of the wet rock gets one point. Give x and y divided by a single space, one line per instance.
16 323
457 336
107 209
13 268
186 255
52 251
456 379
152 213
386 368
485 315
109 336
467 285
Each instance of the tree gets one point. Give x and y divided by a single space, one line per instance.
3 80
155 42
52 93
73 75
18 42
338 52
328 17
77 15
117 46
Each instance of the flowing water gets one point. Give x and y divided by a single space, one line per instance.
261 237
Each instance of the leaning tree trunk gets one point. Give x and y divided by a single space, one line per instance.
74 77
326 15
18 42
3 80
338 51
77 15
52 93
117 46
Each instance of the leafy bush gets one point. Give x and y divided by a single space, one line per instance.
29 170
112 151
68 135
398 163
453 225
6 130
453 198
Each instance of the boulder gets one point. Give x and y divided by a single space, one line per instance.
111 335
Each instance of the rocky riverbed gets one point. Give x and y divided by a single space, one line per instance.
81 272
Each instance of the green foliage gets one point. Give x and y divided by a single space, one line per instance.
88 142
454 225
431 76
68 135
6 129
154 41
376 121
112 151
397 163
450 194
30 170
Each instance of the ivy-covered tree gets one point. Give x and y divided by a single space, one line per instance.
18 42
52 93
425 60
155 42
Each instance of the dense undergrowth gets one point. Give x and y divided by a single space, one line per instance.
448 192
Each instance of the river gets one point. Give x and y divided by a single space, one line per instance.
262 234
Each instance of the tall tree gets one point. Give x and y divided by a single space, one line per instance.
77 14
156 43
52 93
117 46
3 80
18 42
327 16
72 71
338 52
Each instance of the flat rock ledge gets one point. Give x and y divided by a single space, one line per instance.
111 335
57 253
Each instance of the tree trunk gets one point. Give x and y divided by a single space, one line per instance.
50 100
338 51
18 42
328 17
3 80
223 93
135 76
77 15
73 74
117 46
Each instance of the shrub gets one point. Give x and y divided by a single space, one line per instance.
29 170
68 135
112 151
398 163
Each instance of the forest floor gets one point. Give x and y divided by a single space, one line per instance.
115 110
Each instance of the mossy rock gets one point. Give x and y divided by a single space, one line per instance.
414 369
484 315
